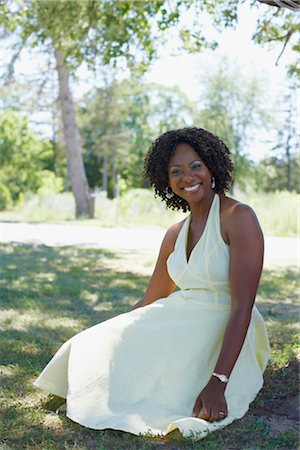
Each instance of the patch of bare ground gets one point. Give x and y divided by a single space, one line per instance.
278 403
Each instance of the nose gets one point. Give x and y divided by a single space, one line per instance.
188 176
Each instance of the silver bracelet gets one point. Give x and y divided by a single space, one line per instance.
222 378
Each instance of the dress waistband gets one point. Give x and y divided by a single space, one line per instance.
206 295
221 290
197 289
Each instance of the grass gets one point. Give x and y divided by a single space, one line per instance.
278 212
138 207
49 294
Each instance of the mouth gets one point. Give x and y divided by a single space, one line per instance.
192 188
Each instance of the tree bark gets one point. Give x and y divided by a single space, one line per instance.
80 188
288 153
105 174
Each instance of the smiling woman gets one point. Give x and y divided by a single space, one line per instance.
202 151
191 354
188 174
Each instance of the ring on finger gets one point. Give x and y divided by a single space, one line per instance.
221 413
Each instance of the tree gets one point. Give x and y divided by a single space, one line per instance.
73 32
22 155
280 26
118 123
280 170
293 5
107 140
152 110
233 107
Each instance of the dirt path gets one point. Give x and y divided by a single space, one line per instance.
284 251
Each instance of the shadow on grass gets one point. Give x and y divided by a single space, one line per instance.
278 293
63 279
49 294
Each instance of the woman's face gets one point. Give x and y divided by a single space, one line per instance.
189 177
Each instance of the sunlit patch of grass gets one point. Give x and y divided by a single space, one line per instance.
282 354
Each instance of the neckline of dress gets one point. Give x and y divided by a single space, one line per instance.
187 259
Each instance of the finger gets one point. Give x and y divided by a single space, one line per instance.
205 414
220 415
197 408
223 412
215 416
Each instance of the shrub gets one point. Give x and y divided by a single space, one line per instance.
5 197
49 183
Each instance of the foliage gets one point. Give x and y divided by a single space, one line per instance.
82 30
233 108
49 183
106 139
119 121
112 32
280 169
271 174
277 212
5 197
49 294
112 29
22 154
40 208
280 26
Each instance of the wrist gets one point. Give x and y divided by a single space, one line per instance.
217 384
221 377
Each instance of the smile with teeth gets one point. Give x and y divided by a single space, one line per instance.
192 188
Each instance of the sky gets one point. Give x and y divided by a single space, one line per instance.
236 44
184 70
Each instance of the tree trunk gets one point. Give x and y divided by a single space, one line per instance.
105 175
54 140
113 172
289 163
290 132
80 188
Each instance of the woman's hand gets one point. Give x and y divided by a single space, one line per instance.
211 403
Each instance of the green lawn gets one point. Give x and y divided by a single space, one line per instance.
49 294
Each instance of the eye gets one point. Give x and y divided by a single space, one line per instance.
175 171
196 165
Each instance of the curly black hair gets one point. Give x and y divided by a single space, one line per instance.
209 147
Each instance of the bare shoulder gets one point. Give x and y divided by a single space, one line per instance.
171 236
238 219
232 208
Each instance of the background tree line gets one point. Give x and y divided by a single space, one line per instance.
109 131
119 121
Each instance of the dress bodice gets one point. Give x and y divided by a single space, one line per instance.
208 265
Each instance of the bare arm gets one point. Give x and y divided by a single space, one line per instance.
160 284
246 259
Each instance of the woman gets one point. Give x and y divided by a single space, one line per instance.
191 353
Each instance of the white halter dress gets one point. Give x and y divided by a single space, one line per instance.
143 370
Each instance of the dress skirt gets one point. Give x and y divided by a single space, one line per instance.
142 371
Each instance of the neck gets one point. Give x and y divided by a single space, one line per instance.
199 210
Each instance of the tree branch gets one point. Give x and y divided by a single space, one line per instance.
9 73
293 5
283 48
